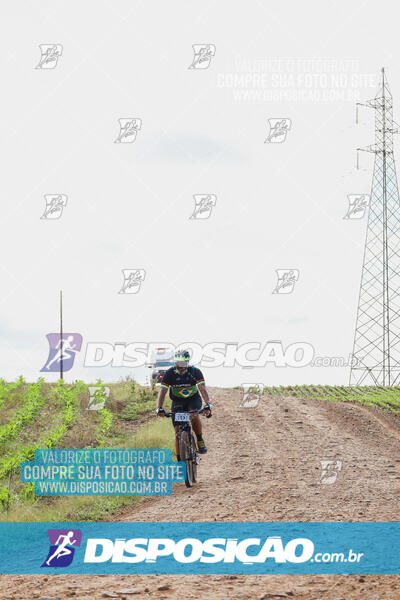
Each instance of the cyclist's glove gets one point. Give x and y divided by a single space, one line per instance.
208 407
160 411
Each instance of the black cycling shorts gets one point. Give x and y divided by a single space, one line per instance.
183 405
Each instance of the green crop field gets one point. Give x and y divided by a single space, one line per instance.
43 415
376 396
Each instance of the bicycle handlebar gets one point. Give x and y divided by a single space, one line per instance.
199 412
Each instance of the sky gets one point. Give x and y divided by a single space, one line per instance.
127 203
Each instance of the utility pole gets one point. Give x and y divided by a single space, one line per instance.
61 338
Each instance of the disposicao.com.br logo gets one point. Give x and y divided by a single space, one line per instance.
248 551
210 355
201 547
213 550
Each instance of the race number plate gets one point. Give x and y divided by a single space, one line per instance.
185 417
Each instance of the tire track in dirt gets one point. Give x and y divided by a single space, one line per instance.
264 465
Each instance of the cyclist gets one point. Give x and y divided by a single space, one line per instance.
184 383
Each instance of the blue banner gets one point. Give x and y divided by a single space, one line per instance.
102 472
201 548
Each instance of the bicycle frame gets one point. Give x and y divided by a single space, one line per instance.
188 448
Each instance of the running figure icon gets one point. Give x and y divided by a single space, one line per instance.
62 549
64 349
63 543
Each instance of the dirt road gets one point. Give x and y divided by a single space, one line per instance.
264 465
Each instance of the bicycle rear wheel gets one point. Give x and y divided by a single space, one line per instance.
186 455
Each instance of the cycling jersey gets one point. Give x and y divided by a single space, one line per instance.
182 386
192 403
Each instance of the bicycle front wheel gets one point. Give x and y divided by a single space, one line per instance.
186 455
194 458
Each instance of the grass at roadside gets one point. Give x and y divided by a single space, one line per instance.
114 426
157 434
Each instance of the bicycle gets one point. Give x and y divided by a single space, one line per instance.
188 449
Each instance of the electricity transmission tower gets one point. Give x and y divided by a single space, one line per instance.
376 351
